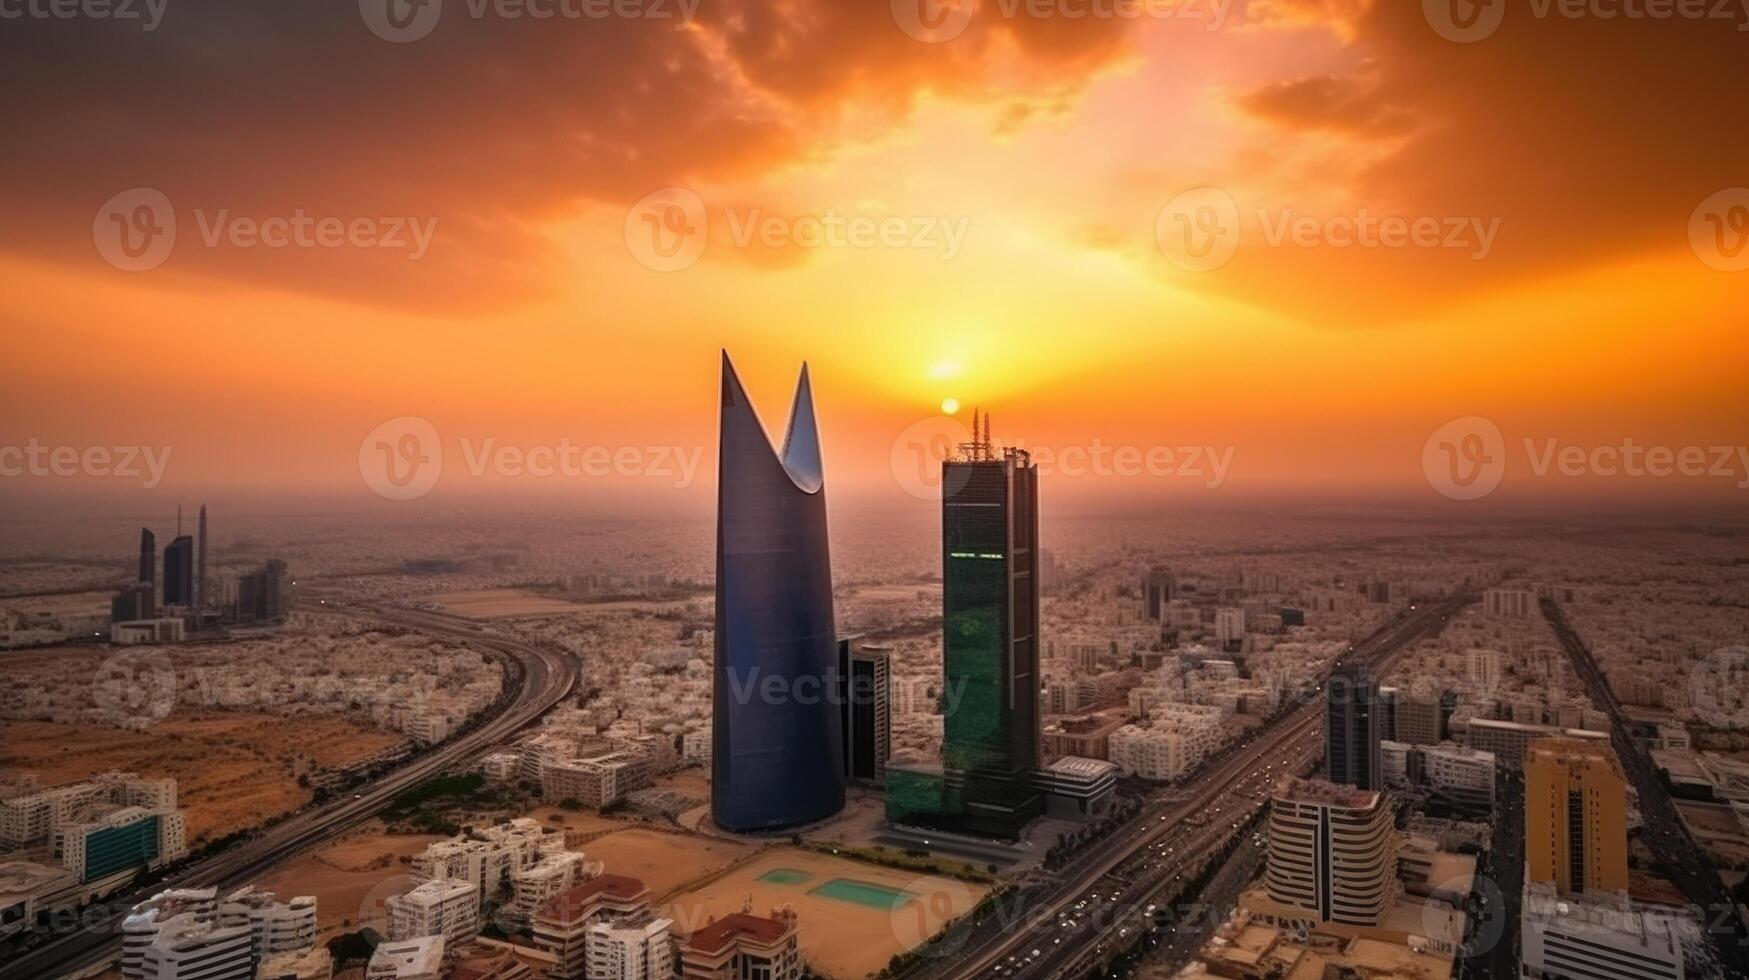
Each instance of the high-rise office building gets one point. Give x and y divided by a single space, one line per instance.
1351 729
148 558
1575 816
990 651
776 752
261 594
179 572
864 672
1156 591
201 596
1332 851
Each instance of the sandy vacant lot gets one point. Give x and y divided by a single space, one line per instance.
503 604
232 769
663 860
351 878
868 914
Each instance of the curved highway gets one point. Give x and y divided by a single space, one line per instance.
548 678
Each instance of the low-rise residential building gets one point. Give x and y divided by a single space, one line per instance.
741 946
561 926
420 958
450 909
632 948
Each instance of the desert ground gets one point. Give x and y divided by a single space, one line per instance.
848 934
502 604
664 861
350 878
232 769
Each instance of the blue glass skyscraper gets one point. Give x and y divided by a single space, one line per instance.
776 756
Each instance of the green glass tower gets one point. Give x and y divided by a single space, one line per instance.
990 654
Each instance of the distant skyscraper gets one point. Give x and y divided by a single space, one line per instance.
864 670
776 753
1351 729
148 558
1575 816
261 594
1156 591
201 596
179 572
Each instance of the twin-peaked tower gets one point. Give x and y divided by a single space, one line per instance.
776 751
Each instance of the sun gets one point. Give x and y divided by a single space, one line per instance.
950 406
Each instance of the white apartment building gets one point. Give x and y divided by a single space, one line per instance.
546 879
33 819
1229 627
189 947
502 767
1509 602
420 958
639 948
487 856
276 927
139 929
1460 773
111 840
1567 937
450 909
1332 851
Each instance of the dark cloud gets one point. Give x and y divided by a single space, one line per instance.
1591 140
490 125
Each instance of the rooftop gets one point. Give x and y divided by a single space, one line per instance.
1296 790
582 897
715 935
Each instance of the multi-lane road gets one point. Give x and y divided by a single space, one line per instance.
1684 861
548 678
1102 898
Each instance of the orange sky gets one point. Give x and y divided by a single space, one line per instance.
1050 145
